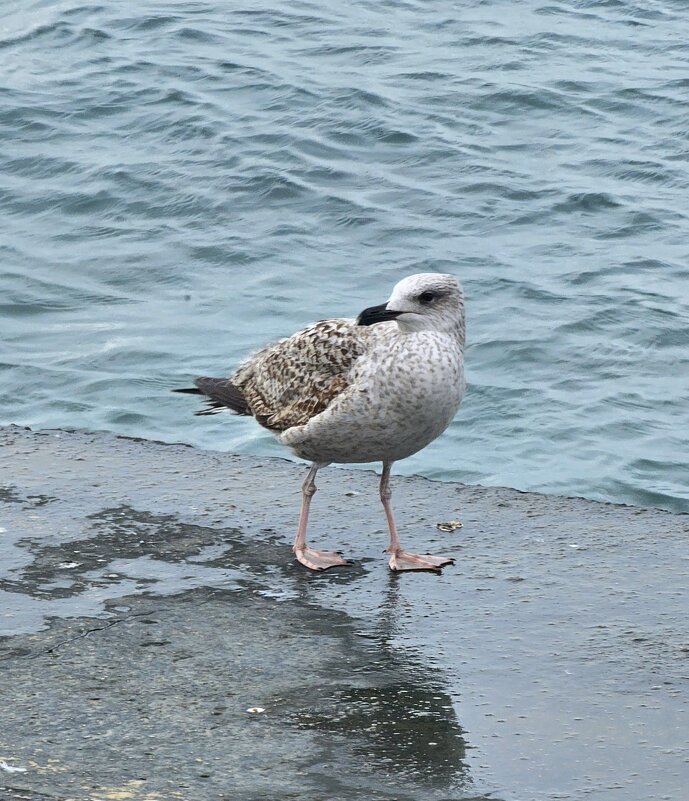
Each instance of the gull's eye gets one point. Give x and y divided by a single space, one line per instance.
426 297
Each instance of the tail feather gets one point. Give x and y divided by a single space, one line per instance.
220 393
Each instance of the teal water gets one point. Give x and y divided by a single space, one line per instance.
181 181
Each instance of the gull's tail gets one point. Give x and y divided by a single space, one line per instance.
220 394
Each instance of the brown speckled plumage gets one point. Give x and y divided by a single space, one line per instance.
290 381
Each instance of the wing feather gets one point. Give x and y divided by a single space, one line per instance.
290 381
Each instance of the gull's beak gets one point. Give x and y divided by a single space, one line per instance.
377 314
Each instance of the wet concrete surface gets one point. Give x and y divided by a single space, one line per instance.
148 599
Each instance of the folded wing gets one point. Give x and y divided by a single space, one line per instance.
290 381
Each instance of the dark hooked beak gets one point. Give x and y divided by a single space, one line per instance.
377 314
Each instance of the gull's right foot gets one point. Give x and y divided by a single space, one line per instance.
318 560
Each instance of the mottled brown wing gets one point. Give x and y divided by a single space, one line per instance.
290 381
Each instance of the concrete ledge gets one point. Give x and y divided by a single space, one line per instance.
148 599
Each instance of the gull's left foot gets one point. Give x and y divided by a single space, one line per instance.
403 560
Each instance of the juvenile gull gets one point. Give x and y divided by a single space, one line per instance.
378 388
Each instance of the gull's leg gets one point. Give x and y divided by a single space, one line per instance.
314 560
401 559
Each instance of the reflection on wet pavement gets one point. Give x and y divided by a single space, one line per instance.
404 725
408 728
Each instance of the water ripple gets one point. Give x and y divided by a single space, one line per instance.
179 185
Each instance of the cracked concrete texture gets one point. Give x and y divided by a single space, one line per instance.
148 599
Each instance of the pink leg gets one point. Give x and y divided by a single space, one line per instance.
309 557
401 559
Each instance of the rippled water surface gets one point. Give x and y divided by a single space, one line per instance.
180 181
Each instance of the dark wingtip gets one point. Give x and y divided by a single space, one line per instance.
188 390
222 393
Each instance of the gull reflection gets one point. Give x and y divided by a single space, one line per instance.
393 707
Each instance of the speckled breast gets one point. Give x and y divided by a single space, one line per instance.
397 403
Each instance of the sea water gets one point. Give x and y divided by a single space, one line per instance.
182 181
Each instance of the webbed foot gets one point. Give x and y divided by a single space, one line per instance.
319 560
403 560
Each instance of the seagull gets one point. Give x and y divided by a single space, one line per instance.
377 388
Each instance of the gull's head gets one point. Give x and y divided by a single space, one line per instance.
423 302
